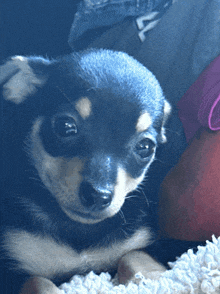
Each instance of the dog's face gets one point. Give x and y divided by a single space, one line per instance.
97 118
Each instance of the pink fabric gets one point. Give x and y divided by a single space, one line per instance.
200 105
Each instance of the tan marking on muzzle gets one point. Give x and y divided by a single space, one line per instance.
84 107
61 176
124 185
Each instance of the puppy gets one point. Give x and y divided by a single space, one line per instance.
79 134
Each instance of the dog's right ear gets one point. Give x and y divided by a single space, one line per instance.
19 79
166 113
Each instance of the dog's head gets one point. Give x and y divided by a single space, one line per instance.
97 118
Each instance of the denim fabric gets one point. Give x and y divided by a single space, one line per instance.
92 14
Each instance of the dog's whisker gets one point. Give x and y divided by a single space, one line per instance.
125 233
131 196
173 132
143 213
64 94
140 189
35 179
147 201
159 160
122 215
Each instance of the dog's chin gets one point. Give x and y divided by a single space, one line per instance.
89 217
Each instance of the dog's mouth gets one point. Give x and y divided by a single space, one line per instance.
80 214
85 217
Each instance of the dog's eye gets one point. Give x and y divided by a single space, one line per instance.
65 126
145 148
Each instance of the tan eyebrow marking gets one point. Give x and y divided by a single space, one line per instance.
144 122
84 107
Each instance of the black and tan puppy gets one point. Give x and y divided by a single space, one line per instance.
79 134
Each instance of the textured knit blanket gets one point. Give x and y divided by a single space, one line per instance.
191 273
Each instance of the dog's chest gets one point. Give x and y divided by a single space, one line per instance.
42 255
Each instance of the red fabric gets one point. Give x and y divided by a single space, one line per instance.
190 193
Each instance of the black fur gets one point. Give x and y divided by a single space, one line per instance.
120 90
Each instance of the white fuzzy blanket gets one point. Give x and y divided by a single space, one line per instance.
191 273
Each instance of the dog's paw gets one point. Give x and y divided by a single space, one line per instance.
138 261
39 285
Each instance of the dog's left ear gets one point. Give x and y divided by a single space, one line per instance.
19 79
166 113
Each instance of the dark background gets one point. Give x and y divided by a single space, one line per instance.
35 27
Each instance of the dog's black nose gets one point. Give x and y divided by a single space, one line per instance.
95 199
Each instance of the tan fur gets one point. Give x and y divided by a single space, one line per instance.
167 111
125 183
144 122
60 175
138 261
84 107
39 285
23 83
43 256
